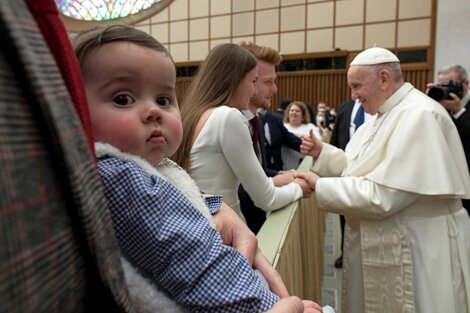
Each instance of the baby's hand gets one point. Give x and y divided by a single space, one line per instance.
311 145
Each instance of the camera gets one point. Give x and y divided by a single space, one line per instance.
441 92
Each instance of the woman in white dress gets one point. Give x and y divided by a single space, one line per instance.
217 150
297 121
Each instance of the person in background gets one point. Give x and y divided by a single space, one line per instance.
456 104
270 133
217 148
281 108
399 184
297 121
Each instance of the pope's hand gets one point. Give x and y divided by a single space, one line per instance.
311 145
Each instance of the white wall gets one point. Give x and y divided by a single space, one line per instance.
452 34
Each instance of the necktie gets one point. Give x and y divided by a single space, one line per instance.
255 133
359 118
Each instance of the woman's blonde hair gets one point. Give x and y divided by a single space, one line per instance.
214 85
303 107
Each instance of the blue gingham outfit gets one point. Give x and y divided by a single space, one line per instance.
162 234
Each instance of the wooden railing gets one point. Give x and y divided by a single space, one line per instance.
326 85
292 240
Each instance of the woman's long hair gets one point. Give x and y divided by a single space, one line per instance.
214 85
303 108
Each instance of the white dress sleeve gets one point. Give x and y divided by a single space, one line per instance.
237 148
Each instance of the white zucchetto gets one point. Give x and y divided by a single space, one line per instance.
374 56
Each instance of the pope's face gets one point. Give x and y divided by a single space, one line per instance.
366 86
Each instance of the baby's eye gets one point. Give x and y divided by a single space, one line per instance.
163 101
123 100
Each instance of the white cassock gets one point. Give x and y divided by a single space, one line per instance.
407 244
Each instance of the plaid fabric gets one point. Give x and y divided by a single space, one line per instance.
166 238
213 203
58 252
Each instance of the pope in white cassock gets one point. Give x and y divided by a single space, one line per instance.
399 184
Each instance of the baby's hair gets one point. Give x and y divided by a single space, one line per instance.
91 39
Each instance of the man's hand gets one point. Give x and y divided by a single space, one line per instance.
235 233
311 145
295 305
453 105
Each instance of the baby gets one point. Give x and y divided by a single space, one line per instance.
162 223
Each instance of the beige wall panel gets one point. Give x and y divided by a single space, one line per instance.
237 40
320 15
311 1
268 41
267 21
243 24
220 6
217 42
198 8
220 26
160 32
243 5
161 16
199 29
145 28
179 31
414 33
289 2
415 8
349 12
198 50
349 38
293 18
383 35
178 10
292 42
264 4
381 10
179 51
320 40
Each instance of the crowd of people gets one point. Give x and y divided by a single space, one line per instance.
148 203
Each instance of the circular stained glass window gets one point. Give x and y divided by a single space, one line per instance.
80 14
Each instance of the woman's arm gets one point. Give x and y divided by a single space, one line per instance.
235 141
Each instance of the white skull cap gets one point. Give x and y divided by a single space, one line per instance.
374 56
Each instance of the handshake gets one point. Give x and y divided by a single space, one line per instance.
311 146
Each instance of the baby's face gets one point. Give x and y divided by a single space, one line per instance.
132 99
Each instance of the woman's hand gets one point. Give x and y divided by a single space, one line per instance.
270 274
295 305
284 177
235 233
311 178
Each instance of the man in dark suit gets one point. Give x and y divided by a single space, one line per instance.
349 117
276 135
265 142
458 108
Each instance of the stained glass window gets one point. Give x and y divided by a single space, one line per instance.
103 10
